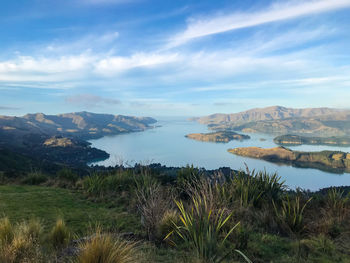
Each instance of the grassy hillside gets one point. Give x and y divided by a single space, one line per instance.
21 202
250 213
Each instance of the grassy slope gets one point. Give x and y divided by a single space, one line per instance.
20 202
23 202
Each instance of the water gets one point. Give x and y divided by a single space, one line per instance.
168 146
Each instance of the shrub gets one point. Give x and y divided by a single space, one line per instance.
270 184
60 234
166 224
94 184
153 202
187 176
35 178
337 202
290 214
246 190
67 176
103 248
202 229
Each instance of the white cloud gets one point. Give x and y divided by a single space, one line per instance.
117 64
90 100
287 10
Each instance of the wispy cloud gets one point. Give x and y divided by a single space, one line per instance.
90 100
205 26
8 108
104 2
117 64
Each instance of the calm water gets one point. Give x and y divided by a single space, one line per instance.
168 146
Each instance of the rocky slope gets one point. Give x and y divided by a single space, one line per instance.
221 136
281 120
326 160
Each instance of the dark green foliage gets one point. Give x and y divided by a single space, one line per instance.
188 176
67 175
35 178
291 214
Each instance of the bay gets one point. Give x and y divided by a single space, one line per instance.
168 145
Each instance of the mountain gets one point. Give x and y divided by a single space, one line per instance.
281 120
62 138
85 125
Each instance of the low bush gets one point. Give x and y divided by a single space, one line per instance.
67 177
35 178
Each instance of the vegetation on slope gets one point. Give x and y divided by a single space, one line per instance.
234 217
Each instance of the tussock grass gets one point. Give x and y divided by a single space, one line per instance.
103 248
20 243
6 231
60 234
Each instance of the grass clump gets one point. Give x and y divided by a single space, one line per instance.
103 248
20 243
6 231
35 178
60 235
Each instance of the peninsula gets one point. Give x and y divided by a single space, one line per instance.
325 160
290 140
220 136
63 138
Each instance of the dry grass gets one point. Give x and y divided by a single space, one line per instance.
20 243
103 248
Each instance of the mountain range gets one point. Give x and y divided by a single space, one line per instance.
282 120
62 138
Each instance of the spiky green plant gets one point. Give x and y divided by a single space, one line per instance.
202 229
94 184
270 184
246 190
337 202
290 213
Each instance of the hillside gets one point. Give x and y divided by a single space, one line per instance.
61 138
281 120
86 125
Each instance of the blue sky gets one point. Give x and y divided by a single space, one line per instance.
162 57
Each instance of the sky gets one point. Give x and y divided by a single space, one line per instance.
172 58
